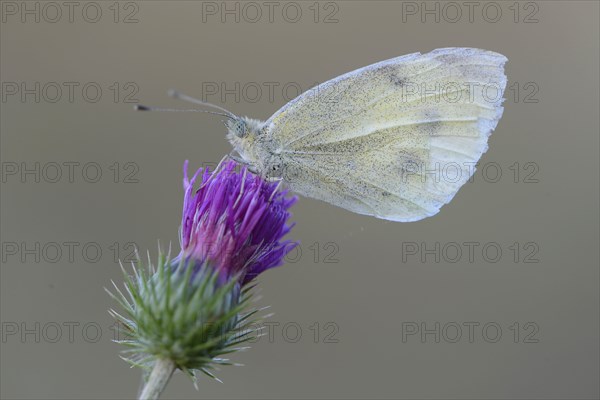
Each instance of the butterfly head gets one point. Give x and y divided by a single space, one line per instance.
242 127
243 133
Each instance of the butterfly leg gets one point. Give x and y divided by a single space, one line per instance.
251 167
214 173
237 159
279 181
274 179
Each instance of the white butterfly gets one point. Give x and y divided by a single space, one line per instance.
395 140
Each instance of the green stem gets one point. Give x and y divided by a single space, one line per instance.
159 377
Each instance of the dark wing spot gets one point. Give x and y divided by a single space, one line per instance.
434 125
398 80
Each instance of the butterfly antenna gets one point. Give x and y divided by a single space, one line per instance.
178 95
139 107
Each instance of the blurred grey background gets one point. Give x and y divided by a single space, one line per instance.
495 297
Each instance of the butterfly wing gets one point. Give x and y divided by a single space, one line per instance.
396 139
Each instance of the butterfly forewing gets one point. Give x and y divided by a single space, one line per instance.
396 139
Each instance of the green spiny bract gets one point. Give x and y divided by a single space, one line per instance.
182 313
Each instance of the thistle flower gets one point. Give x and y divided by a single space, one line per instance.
187 312
235 222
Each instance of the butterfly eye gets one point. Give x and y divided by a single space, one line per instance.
240 128
237 127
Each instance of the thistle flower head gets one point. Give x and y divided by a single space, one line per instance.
235 222
193 309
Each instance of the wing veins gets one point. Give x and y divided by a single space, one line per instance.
380 128
366 107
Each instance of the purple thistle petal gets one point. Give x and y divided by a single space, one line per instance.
235 222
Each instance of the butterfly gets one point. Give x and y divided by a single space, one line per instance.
395 140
